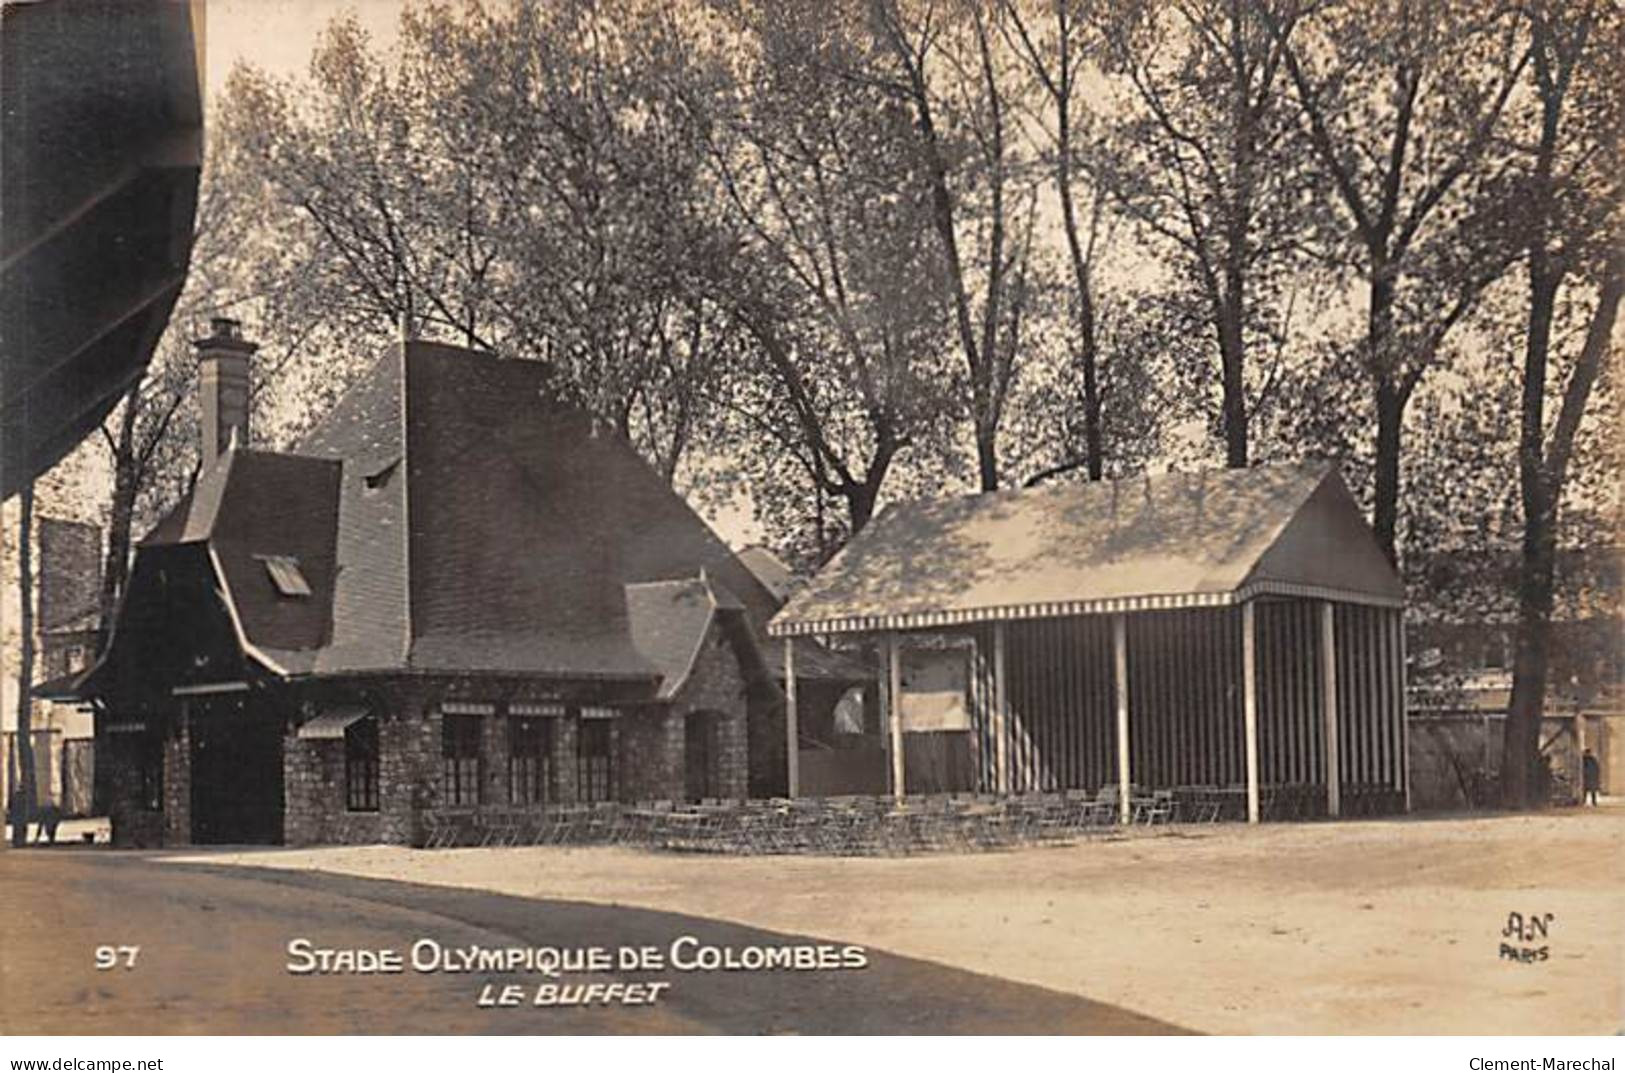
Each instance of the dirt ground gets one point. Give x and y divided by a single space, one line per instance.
1384 927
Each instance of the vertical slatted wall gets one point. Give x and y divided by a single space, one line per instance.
981 708
1370 701
1061 731
1291 746
1185 698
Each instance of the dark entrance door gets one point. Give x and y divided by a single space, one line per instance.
700 755
236 773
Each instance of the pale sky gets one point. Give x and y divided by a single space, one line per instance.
278 35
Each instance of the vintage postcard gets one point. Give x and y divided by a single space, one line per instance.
906 517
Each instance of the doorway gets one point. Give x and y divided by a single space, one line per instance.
236 773
700 757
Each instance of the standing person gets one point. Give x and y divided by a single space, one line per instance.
1590 776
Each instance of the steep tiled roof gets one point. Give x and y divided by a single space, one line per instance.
1168 541
770 570
529 517
449 516
365 431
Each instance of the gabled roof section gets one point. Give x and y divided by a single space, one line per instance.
250 506
1174 540
670 621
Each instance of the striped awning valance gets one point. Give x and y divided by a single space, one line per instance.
534 708
331 724
467 707
922 620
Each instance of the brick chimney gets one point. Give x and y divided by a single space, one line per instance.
223 357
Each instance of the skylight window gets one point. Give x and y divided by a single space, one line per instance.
286 575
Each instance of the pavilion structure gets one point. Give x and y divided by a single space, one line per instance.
1235 633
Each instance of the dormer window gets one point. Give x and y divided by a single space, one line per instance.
286 575
375 481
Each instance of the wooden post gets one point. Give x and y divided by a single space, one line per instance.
792 729
1328 685
894 660
1404 714
1001 713
1249 702
1120 674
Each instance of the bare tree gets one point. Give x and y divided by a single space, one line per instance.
944 61
1205 157
1060 52
836 279
518 180
1400 102
1571 224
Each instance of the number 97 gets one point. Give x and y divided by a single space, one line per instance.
111 957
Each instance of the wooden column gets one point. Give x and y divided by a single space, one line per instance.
1120 675
894 691
792 729
1404 716
1328 688
1001 714
1249 702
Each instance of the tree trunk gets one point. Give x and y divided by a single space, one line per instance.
121 514
1521 780
1390 418
116 566
1390 404
1088 350
987 459
1520 744
860 505
1232 358
23 802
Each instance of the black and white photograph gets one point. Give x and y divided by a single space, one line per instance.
841 518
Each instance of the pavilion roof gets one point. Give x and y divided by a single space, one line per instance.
1175 540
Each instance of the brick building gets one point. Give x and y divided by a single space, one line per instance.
456 596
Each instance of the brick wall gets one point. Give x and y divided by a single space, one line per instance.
313 791
315 810
133 824
178 782
716 684
651 754
408 765
648 745
314 806
564 760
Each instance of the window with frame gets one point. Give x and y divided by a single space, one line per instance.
361 765
460 755
595 760
149 762
530 760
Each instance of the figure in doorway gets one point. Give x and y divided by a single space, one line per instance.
1590 777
